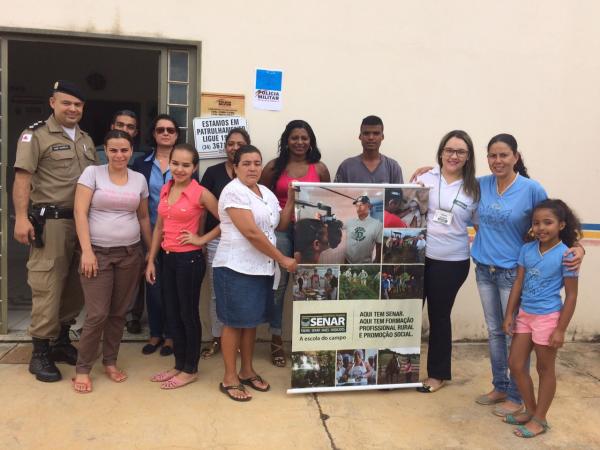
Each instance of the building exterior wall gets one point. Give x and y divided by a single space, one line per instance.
527 68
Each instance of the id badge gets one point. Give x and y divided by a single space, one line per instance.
443 217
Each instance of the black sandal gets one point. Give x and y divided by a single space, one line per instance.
149 348
427 389
277 360
240 387
250 382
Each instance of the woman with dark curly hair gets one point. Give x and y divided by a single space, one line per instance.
299 159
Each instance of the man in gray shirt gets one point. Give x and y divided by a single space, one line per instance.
363 234
370 166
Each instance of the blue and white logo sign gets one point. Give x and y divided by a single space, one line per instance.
267 89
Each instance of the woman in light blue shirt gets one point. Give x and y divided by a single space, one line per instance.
508 197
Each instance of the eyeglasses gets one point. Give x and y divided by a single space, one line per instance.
161 130
462 154
121 125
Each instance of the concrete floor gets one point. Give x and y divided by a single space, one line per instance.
137 414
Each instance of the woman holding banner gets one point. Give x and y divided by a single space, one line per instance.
299 159
453 197
215 179
245 262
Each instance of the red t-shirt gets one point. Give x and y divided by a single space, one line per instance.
393 221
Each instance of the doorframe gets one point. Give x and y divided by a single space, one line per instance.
163 45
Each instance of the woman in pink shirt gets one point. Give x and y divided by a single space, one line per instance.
299 159
111 212
181 207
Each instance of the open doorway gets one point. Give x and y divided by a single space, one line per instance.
112 77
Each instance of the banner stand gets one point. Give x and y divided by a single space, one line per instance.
358 289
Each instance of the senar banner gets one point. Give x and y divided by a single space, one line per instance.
359 286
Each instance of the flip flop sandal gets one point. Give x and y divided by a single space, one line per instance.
175 383
511 419
118 376
240 387
277 360
522 431
161 377
212 350
250 382
77 386
426 389
485 400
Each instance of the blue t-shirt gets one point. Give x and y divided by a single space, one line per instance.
544 278
157 180
504 220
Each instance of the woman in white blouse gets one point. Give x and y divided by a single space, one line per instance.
453 200
245 266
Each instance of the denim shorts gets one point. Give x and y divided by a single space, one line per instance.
242 300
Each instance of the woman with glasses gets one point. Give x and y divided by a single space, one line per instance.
164 134
453 197
507 198
299 159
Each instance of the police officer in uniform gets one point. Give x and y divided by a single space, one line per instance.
51 156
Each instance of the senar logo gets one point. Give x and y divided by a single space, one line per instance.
323 323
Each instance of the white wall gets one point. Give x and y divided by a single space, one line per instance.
524 67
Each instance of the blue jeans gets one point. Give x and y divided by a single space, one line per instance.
494 285
157 321
216 324
285 244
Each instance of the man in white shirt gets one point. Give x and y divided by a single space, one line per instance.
363 234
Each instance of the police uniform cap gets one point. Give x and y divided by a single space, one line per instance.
362 199
68 87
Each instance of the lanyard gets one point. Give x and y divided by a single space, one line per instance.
440 195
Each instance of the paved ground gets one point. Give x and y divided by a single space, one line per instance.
137 414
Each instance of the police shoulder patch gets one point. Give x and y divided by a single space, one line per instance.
36 125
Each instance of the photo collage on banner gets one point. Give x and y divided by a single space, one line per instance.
358 290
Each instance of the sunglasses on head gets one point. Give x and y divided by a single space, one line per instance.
161 130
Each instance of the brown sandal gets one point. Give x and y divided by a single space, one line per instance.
277 355
212 349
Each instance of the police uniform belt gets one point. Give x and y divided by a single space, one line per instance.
53 212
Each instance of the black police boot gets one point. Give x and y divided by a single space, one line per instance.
62 350
41 365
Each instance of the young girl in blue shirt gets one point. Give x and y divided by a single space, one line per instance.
542 318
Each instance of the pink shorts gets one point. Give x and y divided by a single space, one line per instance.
540 326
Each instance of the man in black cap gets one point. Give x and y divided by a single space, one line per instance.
393 208
363 234
51 155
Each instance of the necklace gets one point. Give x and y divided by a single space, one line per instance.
507 187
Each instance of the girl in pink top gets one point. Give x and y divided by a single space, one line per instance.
182 205
299 159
